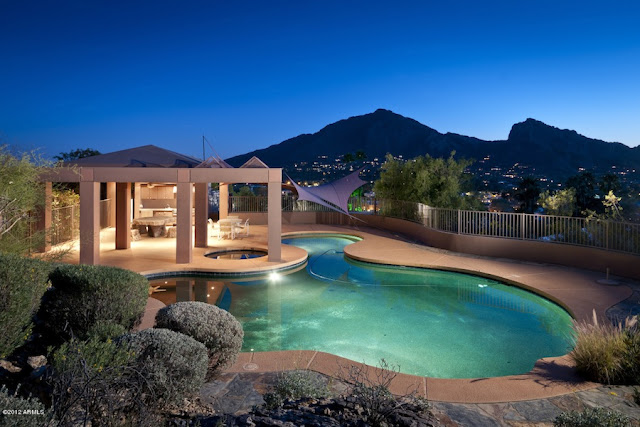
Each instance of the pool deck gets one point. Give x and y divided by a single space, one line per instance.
575 289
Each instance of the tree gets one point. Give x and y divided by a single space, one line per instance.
348 158
609 183
20 195
612 208
76 154
395 182
561 202
361 155
432 181
584 184
527 194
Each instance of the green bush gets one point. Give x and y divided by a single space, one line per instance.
216 328
33 412
173 364
105 330
631 361
84 295
295 385
23 281
593 417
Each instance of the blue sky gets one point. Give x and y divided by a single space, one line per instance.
111 75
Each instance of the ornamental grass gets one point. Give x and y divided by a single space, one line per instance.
605 352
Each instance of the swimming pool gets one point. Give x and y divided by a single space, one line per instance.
430 323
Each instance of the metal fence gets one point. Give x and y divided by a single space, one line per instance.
611 235
65 221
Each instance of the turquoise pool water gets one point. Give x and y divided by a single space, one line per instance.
428 322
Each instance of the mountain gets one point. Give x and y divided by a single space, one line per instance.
531 144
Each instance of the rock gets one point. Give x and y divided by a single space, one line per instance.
36 361
38 372
5 364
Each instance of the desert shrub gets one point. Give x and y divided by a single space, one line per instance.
216 328
173 364
33 412
23 282
602 351
83 295
104 330
97 382
592 417
370 390
295 385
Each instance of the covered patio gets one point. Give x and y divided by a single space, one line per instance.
124 173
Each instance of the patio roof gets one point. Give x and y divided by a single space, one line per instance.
139 157
124 170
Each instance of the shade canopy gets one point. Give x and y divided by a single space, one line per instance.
334 195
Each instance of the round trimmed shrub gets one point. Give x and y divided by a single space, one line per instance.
173 364
84 295
23 282
216 328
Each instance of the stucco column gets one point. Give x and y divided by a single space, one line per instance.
122 203
224 200
44 218
89 218
137 200
184 238
202 214
111 195
274 215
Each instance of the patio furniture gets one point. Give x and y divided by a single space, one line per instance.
171 232
214 228
156 226
227 228
243 228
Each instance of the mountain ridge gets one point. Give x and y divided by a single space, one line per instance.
542 147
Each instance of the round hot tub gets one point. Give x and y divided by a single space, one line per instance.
236 254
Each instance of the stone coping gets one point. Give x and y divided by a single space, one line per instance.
550 377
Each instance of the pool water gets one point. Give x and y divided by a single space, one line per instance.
236 254
428 322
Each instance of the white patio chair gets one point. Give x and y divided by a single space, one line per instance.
214 228
243 228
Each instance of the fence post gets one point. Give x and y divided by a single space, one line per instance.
606 234
523 218
459 221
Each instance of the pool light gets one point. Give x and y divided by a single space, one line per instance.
274 277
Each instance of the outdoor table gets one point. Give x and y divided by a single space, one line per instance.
156 225
231 224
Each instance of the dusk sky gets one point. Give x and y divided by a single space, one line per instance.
111 75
